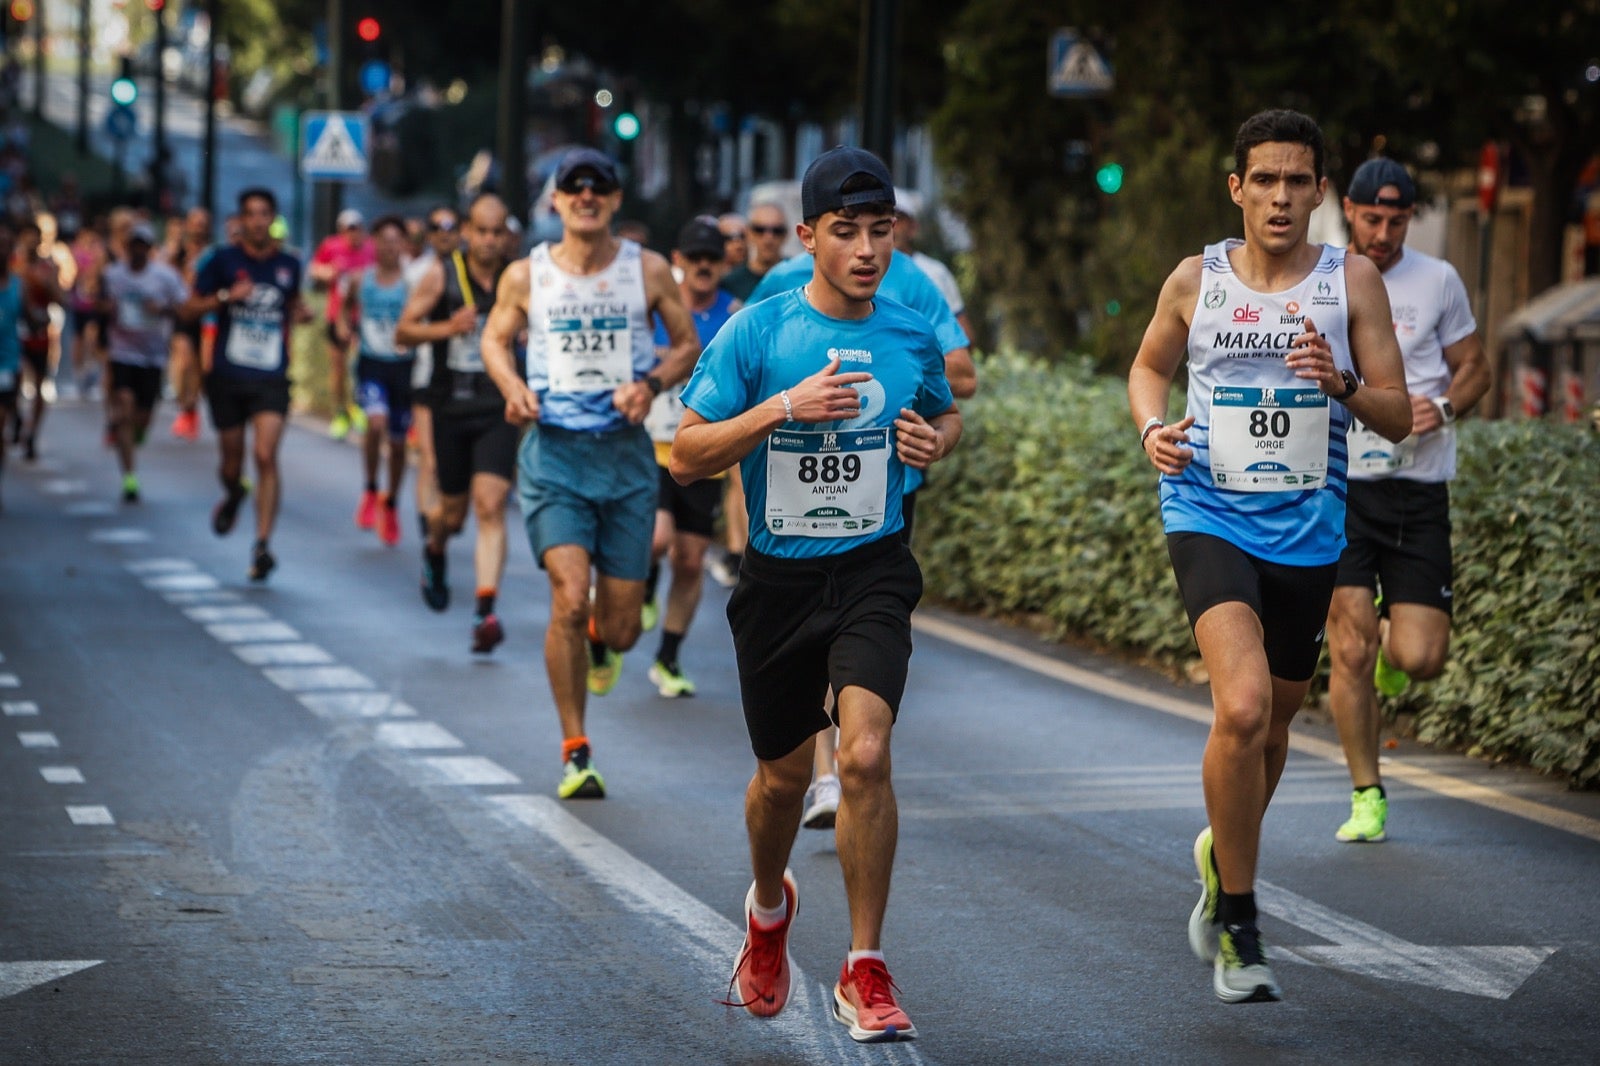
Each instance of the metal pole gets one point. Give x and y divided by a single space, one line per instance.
208 149
329 195
513 108
84 46
878 78
158 171
38 61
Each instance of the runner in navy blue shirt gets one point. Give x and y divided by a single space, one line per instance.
253 287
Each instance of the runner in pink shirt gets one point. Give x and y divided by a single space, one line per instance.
345 252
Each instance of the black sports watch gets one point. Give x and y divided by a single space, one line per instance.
654 383
1351 384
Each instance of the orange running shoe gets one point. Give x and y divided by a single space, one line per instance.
761 972
367 513
864 1000
186 426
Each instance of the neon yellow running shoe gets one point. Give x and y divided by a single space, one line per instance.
670 680
1369 813
1203 927
1390 679
603 676
579 778
339 426
358 418
649 615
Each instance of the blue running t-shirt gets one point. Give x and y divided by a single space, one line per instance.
822 489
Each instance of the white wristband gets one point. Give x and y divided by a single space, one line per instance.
1153 423
788 408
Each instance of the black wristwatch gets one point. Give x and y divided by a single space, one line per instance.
1351 384
654 383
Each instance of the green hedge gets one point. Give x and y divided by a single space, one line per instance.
1047 512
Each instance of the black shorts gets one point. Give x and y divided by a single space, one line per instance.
694 508
81 319
464 445
801 624
236 400
908 512
143 381
383 387
1291 601
190 329
36 357
1399 541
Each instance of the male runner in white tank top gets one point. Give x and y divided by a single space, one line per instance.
1275 330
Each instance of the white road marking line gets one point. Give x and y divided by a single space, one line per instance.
355 705
62 775
469 770
282 654
181 582
10 681
20 708
241 613
125 535
144 567
91 509
218 595
17 977
91 814
1494 972
807 1024
63 487
416 735
311 678
246 632
1429 780
38 740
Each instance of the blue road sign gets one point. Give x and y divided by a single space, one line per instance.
121 122
374 77
334 145
1076 67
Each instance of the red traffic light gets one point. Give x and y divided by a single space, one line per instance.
155 5
368 29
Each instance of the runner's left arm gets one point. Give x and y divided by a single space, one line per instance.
507 318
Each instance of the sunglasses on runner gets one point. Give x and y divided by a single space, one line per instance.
767 231
579 182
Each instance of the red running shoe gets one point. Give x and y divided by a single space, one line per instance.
186 426
761 972
388 525
864 1000
367 513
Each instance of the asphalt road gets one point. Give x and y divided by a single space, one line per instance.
300 823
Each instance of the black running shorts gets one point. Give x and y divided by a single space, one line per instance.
1291 601
464 445
693 507
236 400
143 381
801 624
1399 541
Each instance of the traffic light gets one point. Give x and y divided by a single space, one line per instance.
124 91
156 5
625 126
1109 178
21 10
369 30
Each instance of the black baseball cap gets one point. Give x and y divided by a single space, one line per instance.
1370 178
700 237
604 167
821 190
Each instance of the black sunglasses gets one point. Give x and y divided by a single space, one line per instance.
767 231
579 182
441 225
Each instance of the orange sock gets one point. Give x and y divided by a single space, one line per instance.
570 745
594 633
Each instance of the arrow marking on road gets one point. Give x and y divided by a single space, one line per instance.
18 977
1493 972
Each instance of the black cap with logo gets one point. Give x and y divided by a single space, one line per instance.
1370 178
822 188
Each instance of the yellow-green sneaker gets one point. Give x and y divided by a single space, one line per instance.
603 676
358 418
339 426
670 680
649 615
1369 813
1390 679
1241 973
579 778
1203 926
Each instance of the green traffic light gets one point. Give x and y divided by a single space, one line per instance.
1109 178
626 125
124 91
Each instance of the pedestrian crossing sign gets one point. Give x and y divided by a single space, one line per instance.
334 145
1076 67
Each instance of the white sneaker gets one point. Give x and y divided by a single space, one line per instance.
822 803
723 572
